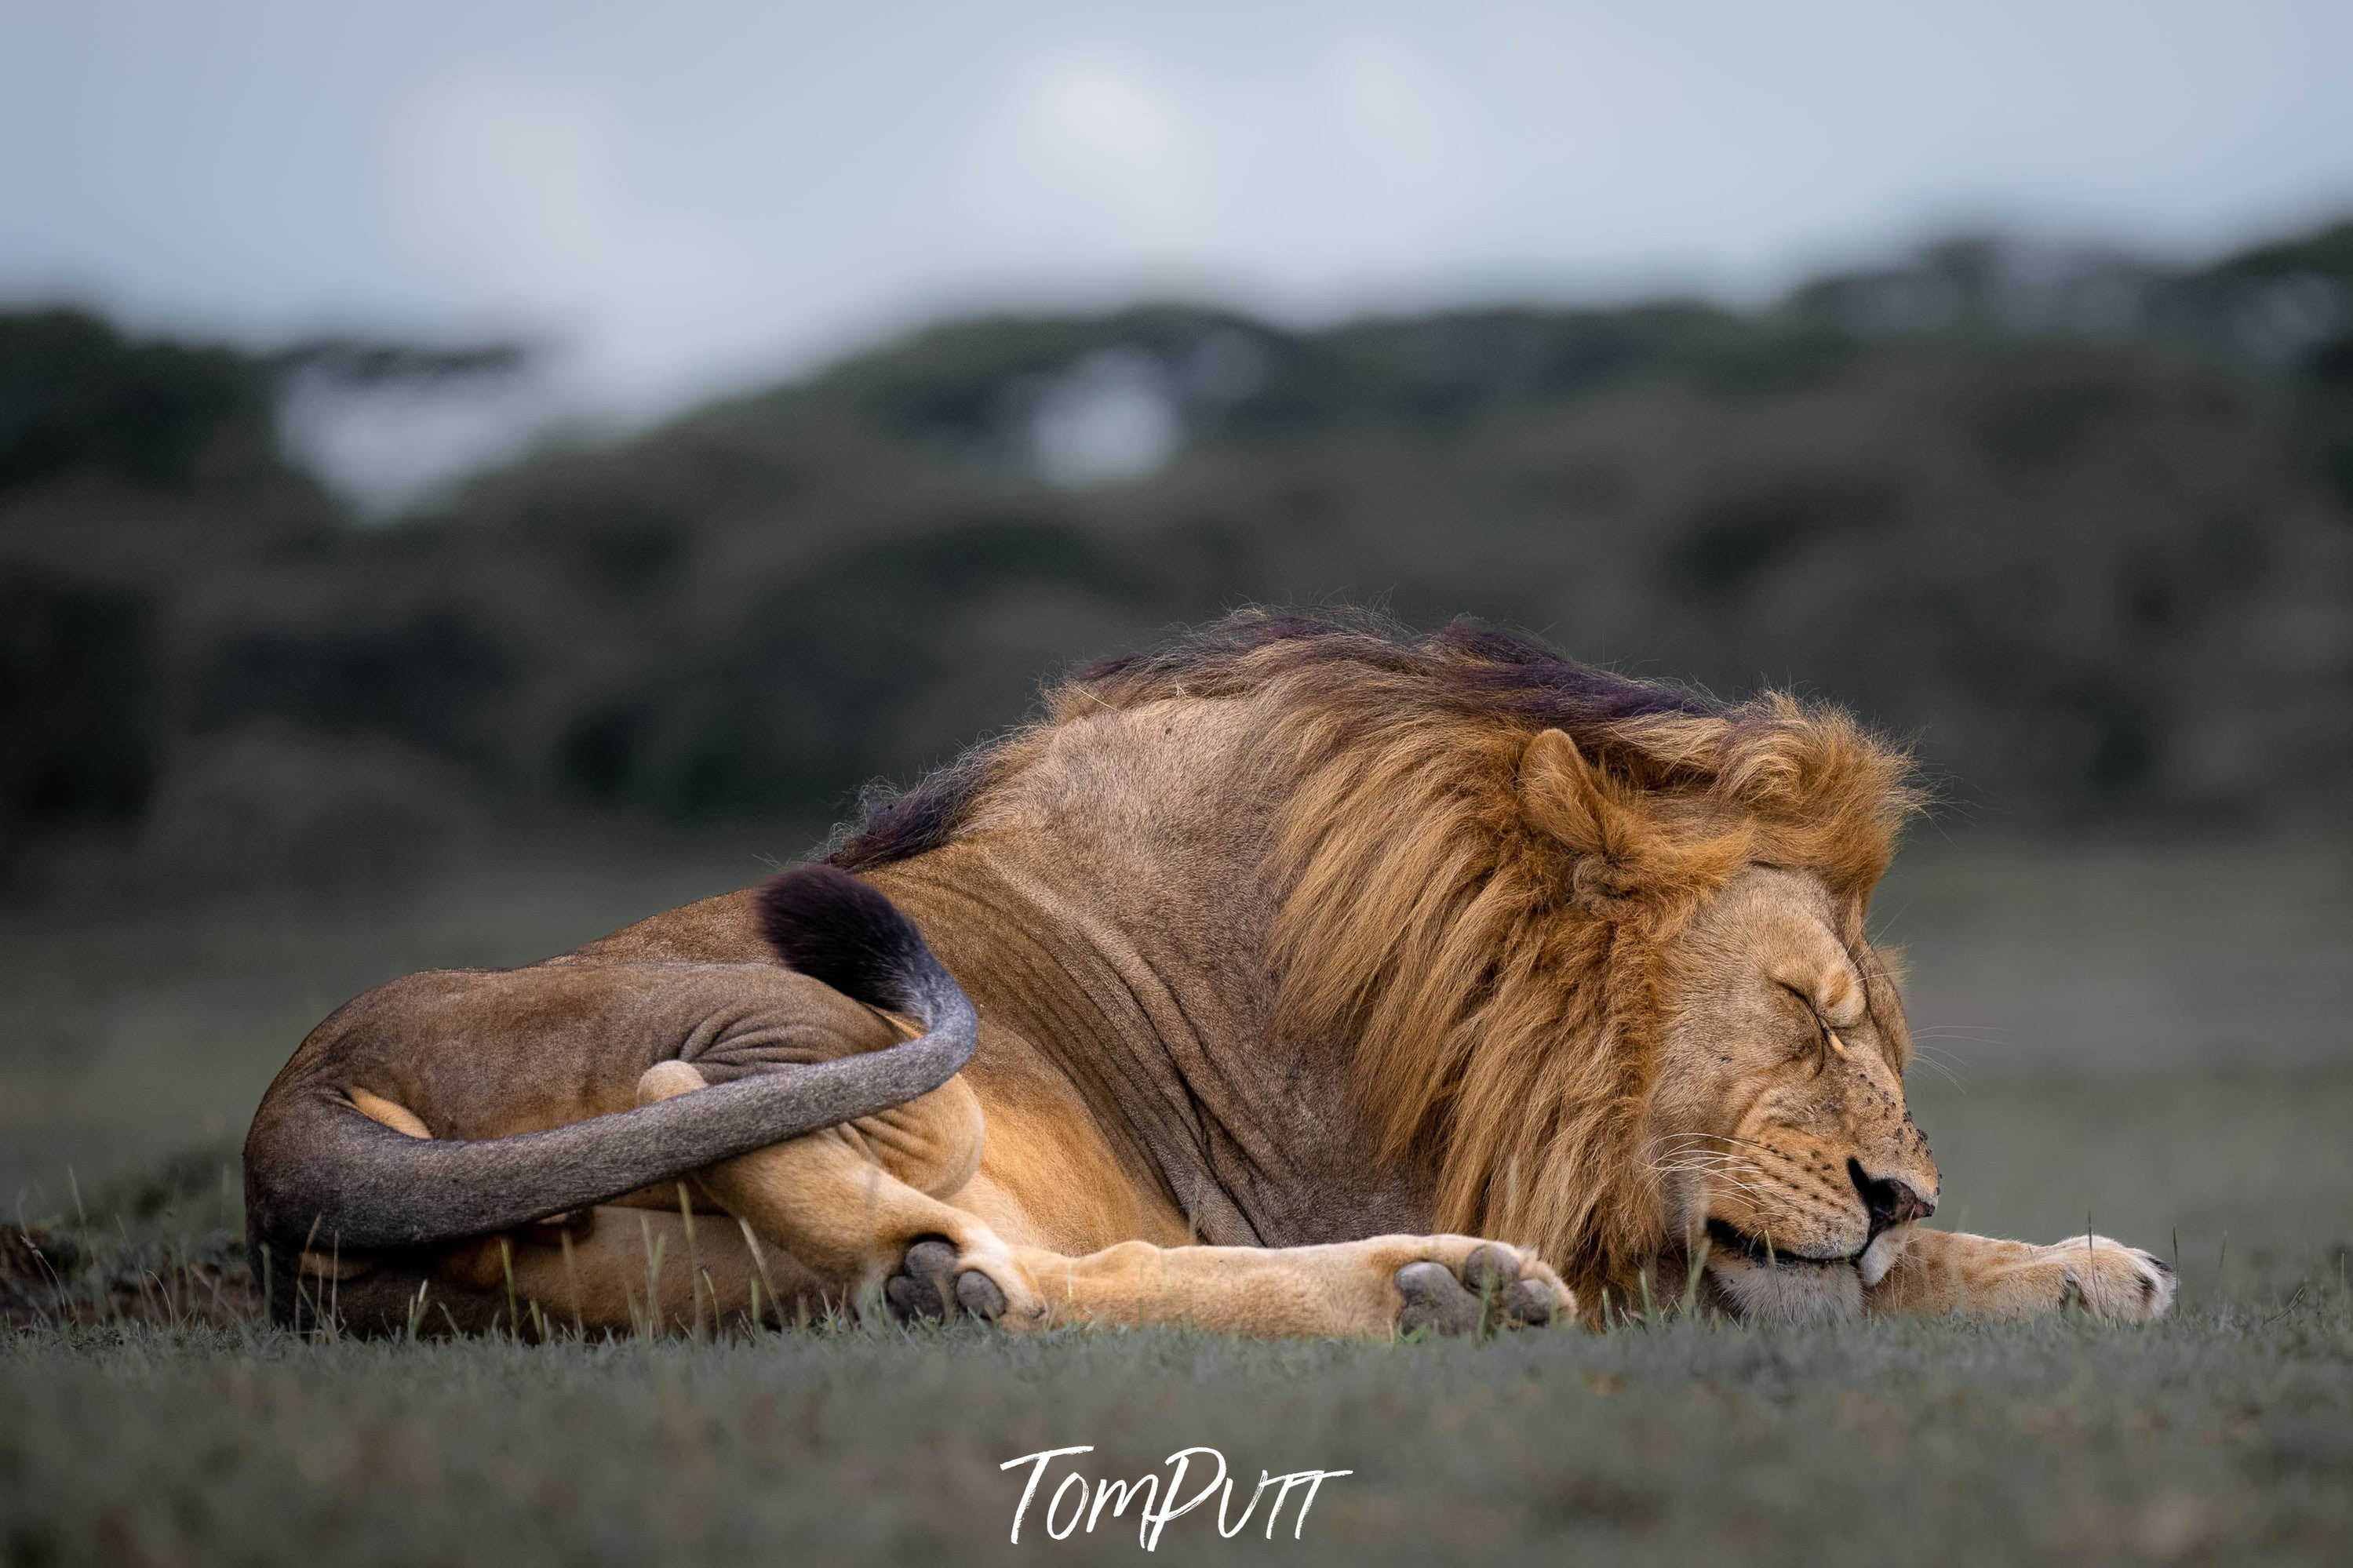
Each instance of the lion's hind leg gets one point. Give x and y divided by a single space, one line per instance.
861 1204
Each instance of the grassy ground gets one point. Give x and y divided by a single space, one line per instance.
2154 1040
2223 1436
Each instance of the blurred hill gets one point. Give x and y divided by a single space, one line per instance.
2082 523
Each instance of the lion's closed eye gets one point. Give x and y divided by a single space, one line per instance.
1809 1032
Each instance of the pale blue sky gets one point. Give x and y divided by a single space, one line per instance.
692 196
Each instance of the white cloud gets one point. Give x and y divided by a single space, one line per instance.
1096 166
520 195
1094 162
1400 139
514 206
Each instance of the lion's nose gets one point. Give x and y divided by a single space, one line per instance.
1890 1202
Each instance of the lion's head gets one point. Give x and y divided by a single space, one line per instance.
1776 1126
1774 1123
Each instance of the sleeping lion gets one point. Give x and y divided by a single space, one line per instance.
1302 978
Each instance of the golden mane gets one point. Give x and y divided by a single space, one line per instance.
1500 980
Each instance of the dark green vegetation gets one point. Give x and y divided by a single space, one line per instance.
2085 524
2155 1039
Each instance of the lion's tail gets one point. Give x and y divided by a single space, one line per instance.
336 1180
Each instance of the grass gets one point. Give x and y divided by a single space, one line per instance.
145 1419
2224 1434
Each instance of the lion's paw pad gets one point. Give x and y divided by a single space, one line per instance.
1492 1289
930 1287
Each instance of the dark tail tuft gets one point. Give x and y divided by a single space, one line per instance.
832 927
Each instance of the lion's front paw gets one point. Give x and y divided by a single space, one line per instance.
1467 1285
935 1283
1984 1277
2114 1280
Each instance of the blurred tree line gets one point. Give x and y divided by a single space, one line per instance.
2082 524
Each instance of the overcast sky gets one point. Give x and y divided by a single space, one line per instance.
692 196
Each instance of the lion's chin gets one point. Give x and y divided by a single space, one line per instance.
1792 1291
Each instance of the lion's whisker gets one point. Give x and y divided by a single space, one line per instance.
1724 1138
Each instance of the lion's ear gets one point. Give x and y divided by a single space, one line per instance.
1625 854
1567 796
